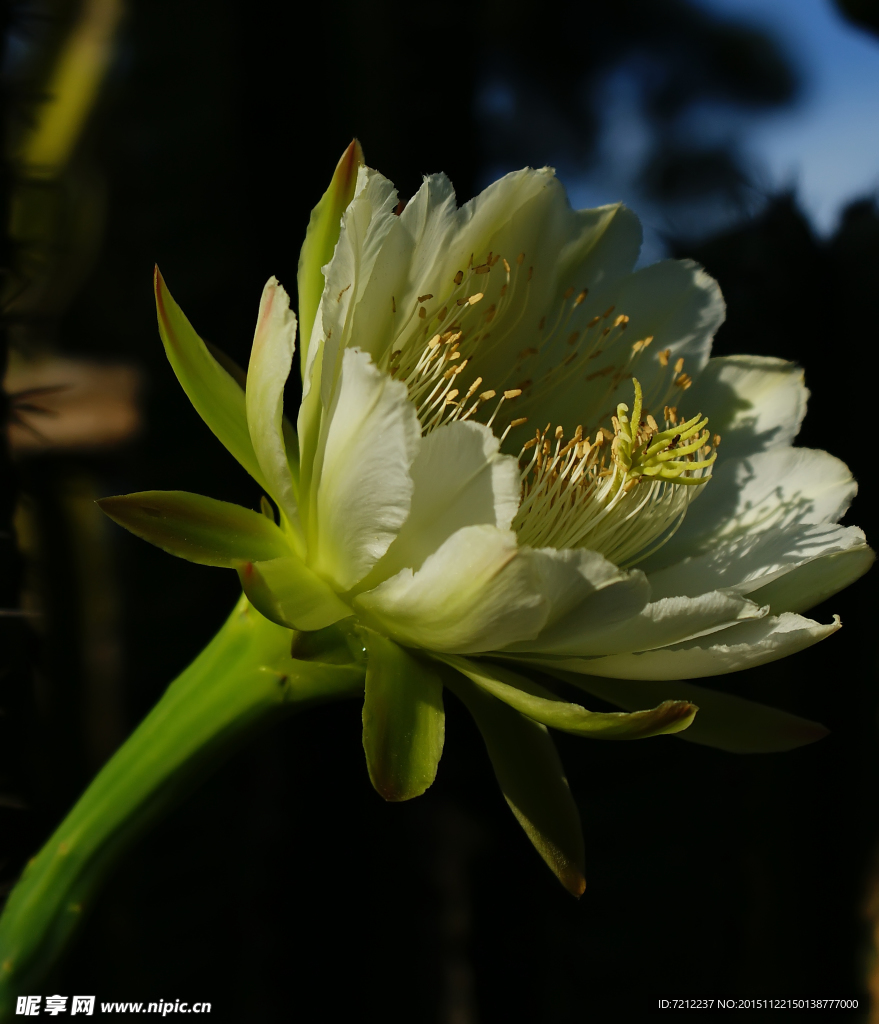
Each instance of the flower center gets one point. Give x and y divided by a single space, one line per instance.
624 495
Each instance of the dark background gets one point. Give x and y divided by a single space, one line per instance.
285 889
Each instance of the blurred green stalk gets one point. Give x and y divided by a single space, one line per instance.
246 675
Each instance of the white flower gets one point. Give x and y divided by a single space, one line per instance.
409 505
506 448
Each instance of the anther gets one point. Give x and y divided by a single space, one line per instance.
459 277
664 356
473 387
579 300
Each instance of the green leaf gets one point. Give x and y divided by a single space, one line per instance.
215 395
543 706
323 231
531 778
287 592
197 528
403 719
730 723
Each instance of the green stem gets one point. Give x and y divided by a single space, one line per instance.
244 676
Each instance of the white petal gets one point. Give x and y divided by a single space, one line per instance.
478 592
816 580
367 222
780 488
587 595
753 402
575 250
729 650
603 247
748 562
666 621
459 479
270 361
363 486
384 263
674 302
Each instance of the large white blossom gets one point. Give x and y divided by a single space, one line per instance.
514 452
409 481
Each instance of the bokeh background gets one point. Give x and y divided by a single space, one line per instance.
198 135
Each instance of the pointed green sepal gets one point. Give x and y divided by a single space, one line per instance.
197 528
531 778
216 396
725 721
287 592
324 227
543 706
403 719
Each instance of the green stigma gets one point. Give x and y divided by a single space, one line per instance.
642 450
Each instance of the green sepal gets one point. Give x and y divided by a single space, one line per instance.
197 528
535 701
288 593
725 721
532 779
324 227
216 396
403 719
